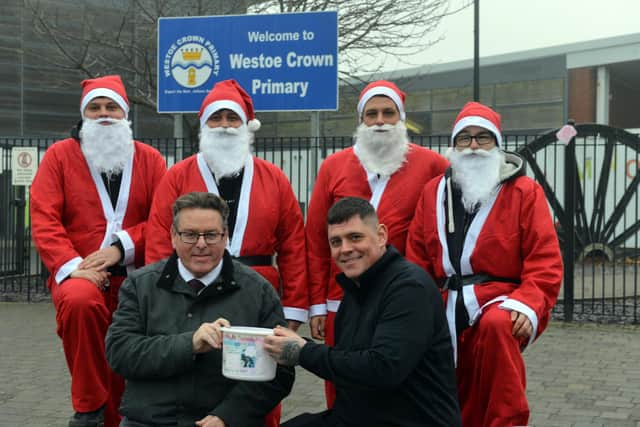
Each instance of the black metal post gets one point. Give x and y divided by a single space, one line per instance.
570 173
476 51
20 254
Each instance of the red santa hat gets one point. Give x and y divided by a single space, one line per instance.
107 86
228 94
384 88
476 114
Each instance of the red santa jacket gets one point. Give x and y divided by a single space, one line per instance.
511 237
395 198
269 222
72 214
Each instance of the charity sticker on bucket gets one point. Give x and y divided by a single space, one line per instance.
243 356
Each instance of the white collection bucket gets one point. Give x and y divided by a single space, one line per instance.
243 355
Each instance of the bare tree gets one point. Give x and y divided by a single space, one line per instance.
119 36
372 30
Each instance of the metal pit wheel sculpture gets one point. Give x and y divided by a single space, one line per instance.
603 163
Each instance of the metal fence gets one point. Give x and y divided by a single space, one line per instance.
591 185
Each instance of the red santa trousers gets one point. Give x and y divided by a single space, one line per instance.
83 315
491 374
330 340
273 418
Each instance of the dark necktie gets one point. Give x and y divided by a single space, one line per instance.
196 285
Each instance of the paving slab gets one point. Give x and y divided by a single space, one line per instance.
578 374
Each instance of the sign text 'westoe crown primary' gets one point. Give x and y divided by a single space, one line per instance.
286 62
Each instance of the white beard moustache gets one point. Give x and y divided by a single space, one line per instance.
477 173
225 149
384 152
107 148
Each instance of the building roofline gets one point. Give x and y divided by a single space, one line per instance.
584 53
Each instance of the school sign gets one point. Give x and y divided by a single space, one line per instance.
287 62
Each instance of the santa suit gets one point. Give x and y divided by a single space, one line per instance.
395 197
72 216
269 222
512 241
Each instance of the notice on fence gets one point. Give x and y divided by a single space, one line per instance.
24 163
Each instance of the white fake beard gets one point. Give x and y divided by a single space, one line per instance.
382 149
477 173
107 148
225 149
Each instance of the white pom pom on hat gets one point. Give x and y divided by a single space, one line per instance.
254 125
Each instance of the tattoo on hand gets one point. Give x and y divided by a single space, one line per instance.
290 353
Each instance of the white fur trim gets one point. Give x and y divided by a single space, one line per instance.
512 304
471 303
108 93
244 203
476 121
223 104
384 91
235 244
128 246
442 234
293 313
333 305
377 183
206 175
473 233
254 125
318 310
67 268
113 217
450 312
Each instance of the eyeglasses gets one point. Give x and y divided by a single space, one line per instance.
210 237
464 140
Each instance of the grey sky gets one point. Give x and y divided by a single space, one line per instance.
516 25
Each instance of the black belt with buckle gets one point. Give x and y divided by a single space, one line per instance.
456 283
255 260
117 270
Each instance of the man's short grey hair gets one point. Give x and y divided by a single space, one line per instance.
200 200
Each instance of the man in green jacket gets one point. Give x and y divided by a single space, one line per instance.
165 336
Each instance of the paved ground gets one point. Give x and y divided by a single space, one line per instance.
579 375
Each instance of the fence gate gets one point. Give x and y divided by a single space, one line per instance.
592 187
20 269
13 236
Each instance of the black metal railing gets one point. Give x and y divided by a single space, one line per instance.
591 185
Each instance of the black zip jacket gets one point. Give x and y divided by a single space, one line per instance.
393 361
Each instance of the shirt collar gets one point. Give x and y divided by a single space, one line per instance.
207 279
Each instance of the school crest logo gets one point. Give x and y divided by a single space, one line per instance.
191 60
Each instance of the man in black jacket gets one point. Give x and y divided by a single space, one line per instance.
392 363
165 337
